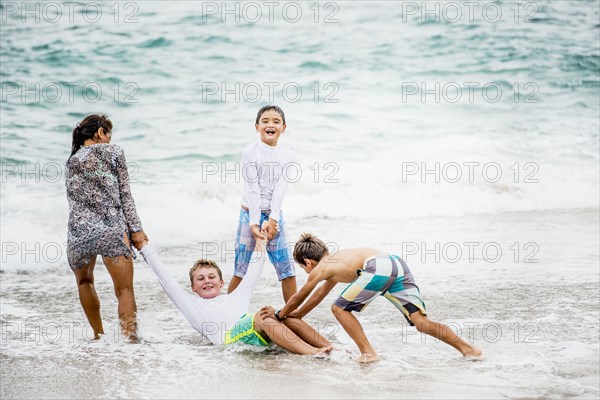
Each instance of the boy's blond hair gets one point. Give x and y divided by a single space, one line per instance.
309 247
202 263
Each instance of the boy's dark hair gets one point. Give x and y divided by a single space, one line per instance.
309 247
270 107
204 264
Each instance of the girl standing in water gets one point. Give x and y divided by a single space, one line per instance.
102 220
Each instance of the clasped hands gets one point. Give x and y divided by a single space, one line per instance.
138 239
268 231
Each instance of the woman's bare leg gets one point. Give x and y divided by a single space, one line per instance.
88 296
306 332
284 337
121 271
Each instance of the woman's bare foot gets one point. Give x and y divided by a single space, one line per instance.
368 358
130 331
132 338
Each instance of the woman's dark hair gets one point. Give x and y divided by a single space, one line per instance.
87 128
270 107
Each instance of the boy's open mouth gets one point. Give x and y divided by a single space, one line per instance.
270 131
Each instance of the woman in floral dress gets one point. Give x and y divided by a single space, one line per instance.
102 220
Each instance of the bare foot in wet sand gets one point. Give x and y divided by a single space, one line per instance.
132 338
368 358
324 351
474 353
130 331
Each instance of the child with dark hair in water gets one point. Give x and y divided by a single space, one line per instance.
102 220
371 273
265 184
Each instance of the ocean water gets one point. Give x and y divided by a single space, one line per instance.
464 137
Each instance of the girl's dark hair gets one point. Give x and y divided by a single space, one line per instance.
270 107
87 128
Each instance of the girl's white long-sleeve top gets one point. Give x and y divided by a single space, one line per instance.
211 317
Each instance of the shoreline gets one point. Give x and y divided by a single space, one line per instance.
517 312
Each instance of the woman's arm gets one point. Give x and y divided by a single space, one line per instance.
133 221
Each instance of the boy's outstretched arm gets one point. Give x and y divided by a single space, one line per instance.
186 302
313 279
255 268
314 300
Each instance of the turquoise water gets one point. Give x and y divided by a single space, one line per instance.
182 85
410 126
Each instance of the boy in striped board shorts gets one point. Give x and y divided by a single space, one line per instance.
371 273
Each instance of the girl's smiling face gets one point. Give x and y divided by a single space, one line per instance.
207 283
270 126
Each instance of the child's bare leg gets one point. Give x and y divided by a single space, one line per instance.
121 271
234 283
88 296
355 330
288 287
443 333
283 336
306 332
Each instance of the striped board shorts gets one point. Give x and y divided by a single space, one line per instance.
388 276
278 249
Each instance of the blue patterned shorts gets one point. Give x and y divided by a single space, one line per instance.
279 251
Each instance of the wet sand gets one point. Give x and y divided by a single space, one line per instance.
537 323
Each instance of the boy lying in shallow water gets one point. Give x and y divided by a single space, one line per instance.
217 316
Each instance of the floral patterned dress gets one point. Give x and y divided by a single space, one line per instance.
101 208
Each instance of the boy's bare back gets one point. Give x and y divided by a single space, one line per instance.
342 265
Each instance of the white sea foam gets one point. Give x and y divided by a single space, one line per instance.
546 308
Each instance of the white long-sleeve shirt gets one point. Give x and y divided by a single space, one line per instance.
211 317
266 171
